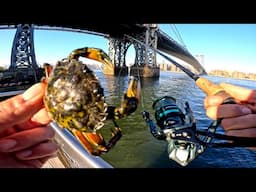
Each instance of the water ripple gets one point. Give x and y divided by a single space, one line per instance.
138 148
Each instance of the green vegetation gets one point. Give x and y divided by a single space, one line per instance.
2 68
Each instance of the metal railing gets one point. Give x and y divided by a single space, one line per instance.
10 93
73 154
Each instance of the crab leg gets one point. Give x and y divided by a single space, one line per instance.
92 53
130 101
93 142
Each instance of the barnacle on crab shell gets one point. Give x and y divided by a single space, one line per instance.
74 97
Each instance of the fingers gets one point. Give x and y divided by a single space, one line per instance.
251 132
41 118
212 101
21 107
47 149
33 163
215 110
227 111
241 122
240 93
26 139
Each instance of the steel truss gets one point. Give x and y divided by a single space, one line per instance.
23 53
145 56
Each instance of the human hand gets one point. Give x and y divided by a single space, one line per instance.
25 139
238 119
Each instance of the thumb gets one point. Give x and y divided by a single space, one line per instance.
22 107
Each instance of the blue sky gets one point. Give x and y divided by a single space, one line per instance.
224 46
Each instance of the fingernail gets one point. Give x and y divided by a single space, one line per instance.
7 144
246 110
32 92
25 153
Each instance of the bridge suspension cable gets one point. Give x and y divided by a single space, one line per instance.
177 33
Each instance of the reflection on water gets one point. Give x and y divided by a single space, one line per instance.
138 148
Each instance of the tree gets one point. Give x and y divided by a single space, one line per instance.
2 68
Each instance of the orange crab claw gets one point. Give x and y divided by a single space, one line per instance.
94 54
130 100
116 135
134 88
94 143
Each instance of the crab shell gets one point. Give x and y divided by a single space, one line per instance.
74 97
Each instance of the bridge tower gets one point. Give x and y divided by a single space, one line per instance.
23 62
117 49
143 54
23 53
145 59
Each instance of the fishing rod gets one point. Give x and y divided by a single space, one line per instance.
208 87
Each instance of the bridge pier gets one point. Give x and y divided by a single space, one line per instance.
145 71
116 71
141 71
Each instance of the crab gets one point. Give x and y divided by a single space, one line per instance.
74 99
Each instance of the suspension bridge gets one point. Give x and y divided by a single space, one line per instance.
24 69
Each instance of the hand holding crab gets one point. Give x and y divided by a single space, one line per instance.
25 139
75 100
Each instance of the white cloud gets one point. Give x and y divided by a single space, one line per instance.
4 63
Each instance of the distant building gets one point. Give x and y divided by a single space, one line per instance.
200 59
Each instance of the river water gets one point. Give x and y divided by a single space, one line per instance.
139 149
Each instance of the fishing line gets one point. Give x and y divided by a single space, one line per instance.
142 97
176 32
119 78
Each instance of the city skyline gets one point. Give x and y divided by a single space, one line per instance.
223 46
